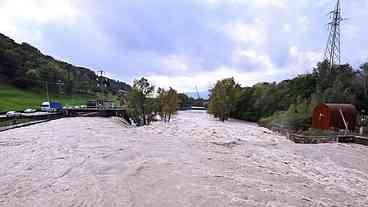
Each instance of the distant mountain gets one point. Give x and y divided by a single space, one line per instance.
202 94
26 67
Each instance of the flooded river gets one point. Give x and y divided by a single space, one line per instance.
192 161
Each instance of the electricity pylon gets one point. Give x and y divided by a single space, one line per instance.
333 48
198 96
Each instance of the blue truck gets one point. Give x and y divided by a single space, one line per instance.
52 106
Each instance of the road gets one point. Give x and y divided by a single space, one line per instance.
192 161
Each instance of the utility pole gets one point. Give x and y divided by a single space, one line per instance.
47 91
333 48
102 89
60 84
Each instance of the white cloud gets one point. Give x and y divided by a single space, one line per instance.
22 19
252 40
302 61
40 11
174 63
262 61
286 27
206 79
253 33
264 70
272 3
304 23
258 3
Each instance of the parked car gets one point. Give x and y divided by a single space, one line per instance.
68 107
30 110
12 114
45 106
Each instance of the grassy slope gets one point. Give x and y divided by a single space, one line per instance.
12 98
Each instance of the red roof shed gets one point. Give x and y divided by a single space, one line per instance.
331 116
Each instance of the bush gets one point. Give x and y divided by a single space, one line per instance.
288 120
267 122
249 116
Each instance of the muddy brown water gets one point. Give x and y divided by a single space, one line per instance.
192 161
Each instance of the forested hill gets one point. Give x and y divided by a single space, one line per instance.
24 66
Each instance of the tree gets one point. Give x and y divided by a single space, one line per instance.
140 103
184 101
223 98
364 74
168 103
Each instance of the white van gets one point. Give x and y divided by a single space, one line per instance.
45 106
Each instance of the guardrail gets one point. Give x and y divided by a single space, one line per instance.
24 119
14 126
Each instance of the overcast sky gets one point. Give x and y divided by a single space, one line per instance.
187 43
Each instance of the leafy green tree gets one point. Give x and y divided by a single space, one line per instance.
341 90
184 101
139 102
168 103
223 98
364 75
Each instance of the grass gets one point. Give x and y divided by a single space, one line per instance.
14 99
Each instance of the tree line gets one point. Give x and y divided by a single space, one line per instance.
289 103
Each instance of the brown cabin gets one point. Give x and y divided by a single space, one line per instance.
332 116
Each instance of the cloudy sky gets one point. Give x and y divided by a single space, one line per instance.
187 43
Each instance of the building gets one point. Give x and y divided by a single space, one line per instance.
335 116
106 104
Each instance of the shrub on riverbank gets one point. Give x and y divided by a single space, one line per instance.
287 120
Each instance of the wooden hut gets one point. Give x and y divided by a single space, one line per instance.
334 116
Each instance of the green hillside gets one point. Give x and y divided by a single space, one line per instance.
26 67
25 73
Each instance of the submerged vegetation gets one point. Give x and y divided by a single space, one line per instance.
168 103
144 105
